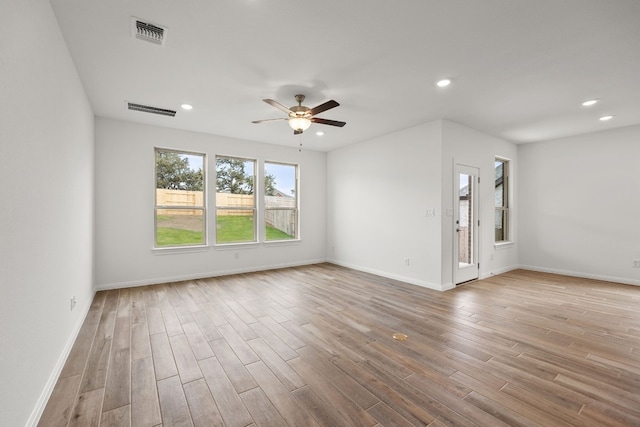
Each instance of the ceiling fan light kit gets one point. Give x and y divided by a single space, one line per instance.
299 123
301 117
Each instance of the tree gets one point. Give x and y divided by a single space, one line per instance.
173 172
232 178
269 184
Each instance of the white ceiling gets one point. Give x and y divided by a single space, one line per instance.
520 68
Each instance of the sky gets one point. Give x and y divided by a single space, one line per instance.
285 174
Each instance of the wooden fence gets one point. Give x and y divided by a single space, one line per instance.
279 211
237 202
165 197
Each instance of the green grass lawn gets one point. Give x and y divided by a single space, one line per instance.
240 229
231 229
234 229
276 234
176 237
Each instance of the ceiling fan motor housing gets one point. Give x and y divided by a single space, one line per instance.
299 111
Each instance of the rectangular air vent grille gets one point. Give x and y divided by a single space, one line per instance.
148 32
149 109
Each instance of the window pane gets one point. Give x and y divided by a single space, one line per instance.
181 198
280 224
501 200
177 227
465 212
499 165
280 201
179 171
235 200
235 176
500 225
500 195
499 183
235 226
180 205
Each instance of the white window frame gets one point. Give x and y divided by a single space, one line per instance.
158 207
295 209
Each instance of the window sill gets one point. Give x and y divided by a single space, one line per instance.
179 250
223 247
503 245
234 246
283 242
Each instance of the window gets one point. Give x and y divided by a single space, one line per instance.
235 200
280 201
501 200
180 214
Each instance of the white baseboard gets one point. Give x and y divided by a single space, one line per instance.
623 280
34 418
448 286
499 271
422 283
179 278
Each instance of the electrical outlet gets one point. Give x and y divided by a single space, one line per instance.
636 263
73 303
406 261
236 255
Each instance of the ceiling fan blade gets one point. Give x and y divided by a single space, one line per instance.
323 107
327 122
277 105
270 120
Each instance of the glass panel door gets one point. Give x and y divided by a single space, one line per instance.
466 224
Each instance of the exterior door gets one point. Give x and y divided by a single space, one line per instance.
466 224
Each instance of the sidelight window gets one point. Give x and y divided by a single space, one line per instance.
501 200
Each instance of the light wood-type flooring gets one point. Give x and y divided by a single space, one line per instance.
314 346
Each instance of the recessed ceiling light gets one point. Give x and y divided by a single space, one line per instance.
187 107
605 118
443 83
589 103
319 133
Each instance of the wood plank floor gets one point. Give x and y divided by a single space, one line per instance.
314 346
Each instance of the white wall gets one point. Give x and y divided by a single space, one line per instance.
125 199
580 205
46 212
378 193
463 145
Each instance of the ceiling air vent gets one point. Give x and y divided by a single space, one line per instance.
152 110
148 32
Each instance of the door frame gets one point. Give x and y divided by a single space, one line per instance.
462 274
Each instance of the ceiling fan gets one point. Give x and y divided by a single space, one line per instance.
301 117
